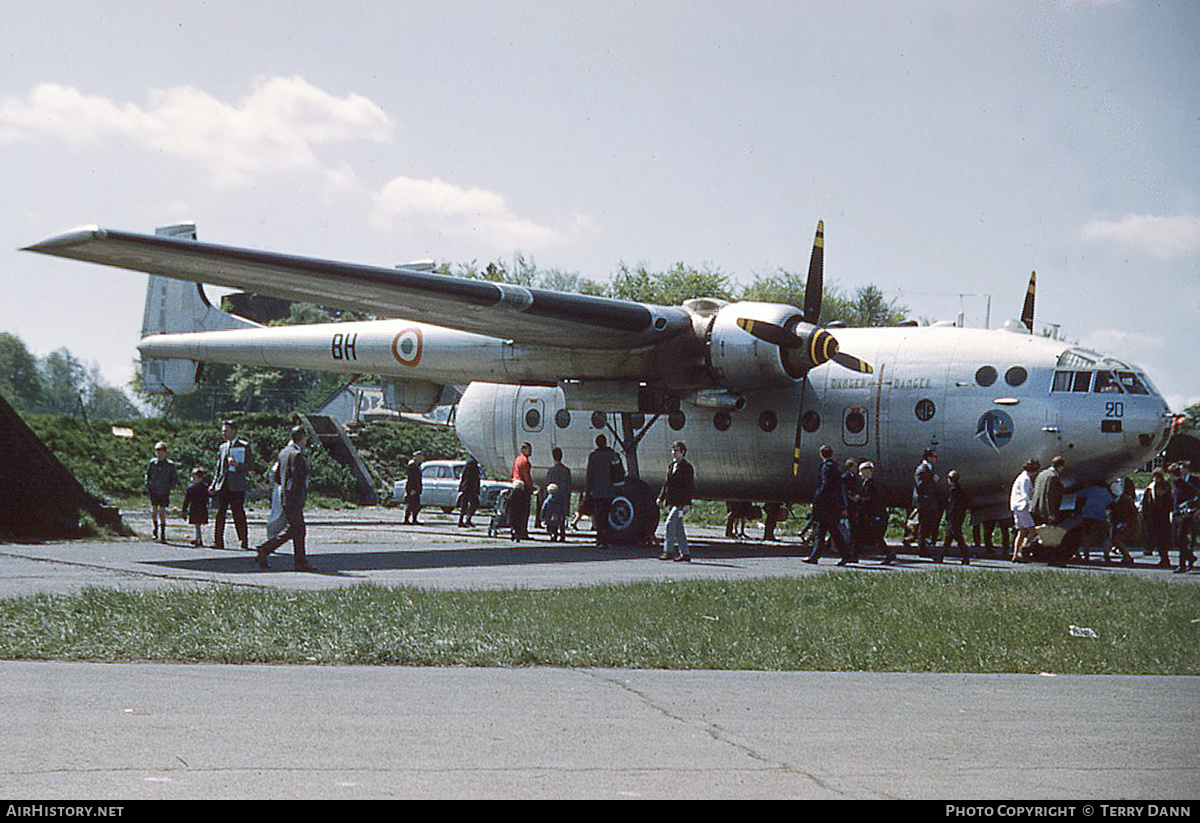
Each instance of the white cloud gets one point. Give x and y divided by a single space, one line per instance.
464 213
276 128
1162 237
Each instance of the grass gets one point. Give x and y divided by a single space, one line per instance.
945 622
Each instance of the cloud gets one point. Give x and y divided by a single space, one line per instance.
276 128
1163 238
466 213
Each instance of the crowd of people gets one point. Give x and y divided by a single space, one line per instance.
847 507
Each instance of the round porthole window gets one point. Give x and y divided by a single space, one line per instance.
855 422
722 421
597 420
562 418
986 376
768 420
1016 376
811 421
533 419
925 410
676 420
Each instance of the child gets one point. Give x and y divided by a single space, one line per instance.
554 512
195 503
160 479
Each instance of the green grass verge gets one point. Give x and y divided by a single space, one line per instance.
946 622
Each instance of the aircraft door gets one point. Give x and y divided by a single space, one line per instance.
532 404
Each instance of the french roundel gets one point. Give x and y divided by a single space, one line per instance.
406 347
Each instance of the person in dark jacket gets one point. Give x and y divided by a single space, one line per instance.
1156 517
957 506
926 502
195 504
413 483
293 484
468 492
872 513
604 471
676 494
1184 498
828 504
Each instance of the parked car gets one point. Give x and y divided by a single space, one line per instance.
439 485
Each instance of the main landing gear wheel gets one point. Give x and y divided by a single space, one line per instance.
634 514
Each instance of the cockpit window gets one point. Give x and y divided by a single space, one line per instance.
1106 383
1132 383
1073 381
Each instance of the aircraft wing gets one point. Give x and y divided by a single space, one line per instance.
506 311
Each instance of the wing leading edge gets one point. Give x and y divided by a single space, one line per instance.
499 310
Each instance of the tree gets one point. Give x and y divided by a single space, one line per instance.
20 380
669 288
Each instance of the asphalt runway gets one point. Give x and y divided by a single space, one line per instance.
132 731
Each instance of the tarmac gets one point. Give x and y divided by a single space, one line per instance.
156 731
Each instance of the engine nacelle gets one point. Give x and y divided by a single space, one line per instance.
741 361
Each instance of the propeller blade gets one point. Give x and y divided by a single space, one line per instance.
770 333
1027 310
853 363
816 270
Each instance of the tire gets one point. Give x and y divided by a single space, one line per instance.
633 516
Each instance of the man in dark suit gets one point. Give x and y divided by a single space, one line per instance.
230 479
925 496
293 485
828 504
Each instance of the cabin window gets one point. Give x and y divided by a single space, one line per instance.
1073 381
562 418
676 420
722 421
767 421
533 420
597 420
1132 383
986 376
925 410
854 421
1016 376
1106 383
811 421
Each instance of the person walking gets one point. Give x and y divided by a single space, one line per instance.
676 494
293 484
1020 500
925 500
160 479
1156 517
195 504
958 503
872 513
468 492
828 505
1123 521
235 462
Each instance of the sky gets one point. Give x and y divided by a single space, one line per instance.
950 147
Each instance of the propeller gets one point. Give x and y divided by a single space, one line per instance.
822 346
